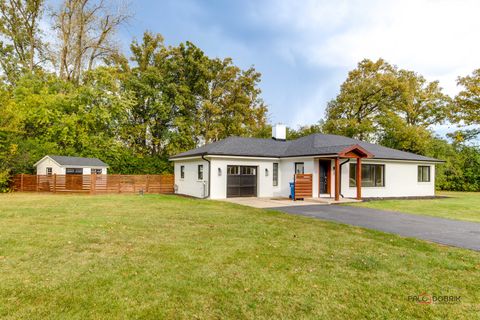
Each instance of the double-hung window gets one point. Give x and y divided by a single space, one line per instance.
423 173
200 172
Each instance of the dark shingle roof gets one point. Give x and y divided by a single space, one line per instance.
315 144
78 161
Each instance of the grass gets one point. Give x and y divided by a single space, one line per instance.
154 257
458 205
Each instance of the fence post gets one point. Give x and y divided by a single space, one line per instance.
119 182
21 182
37 182
146 184
93 178
54 183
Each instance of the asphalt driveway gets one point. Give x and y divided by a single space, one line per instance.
445 231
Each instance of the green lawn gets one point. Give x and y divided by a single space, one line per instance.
458 205
153 257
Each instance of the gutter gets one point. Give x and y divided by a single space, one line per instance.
209 174
340 173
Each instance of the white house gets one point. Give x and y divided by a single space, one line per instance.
49 165
253 167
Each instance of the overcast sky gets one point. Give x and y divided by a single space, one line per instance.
304 49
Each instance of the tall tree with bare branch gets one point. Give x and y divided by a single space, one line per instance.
86 35
22 48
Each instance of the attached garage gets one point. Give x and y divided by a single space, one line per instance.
241 181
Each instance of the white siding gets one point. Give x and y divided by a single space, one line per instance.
190 184
265 186
400 181
56 169
47 162
400 177
287 172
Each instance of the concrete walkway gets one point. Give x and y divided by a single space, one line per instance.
265 203
445 231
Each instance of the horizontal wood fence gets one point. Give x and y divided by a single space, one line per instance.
303 186
94 184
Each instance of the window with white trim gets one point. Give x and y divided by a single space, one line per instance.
275 174
423 174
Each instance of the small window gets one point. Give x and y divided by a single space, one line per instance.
275 174
49 171
248 171
373 175
74 171
182 172
95 171
299 168
233 170
423 173
200 172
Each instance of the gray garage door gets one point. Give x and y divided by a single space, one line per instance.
241 181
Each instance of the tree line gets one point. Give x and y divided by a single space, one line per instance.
397 108
79 94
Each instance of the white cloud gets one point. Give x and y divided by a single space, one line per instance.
438 39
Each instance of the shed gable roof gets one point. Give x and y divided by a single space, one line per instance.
76 161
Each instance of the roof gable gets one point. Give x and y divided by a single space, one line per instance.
74 161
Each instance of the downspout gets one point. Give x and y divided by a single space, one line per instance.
340 173
209 173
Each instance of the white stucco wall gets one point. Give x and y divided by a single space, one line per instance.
190 184
56 169
46 163
265 186
287 172
401 180
400 177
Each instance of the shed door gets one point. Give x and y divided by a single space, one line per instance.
241 181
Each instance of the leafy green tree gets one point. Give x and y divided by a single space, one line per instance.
467 104
306 130
23 48
368 90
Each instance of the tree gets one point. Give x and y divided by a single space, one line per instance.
85 31
467 103
394 107
23 49
306 130
185 99
421 103
369 89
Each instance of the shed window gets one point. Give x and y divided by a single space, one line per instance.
74 171
423 173
49 171
96 171
200 172
182 172
275 174
299 168
373 175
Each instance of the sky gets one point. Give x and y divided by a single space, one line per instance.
305 48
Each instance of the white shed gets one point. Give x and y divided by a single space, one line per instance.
70 165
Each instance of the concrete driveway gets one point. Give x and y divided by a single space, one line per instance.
445 231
